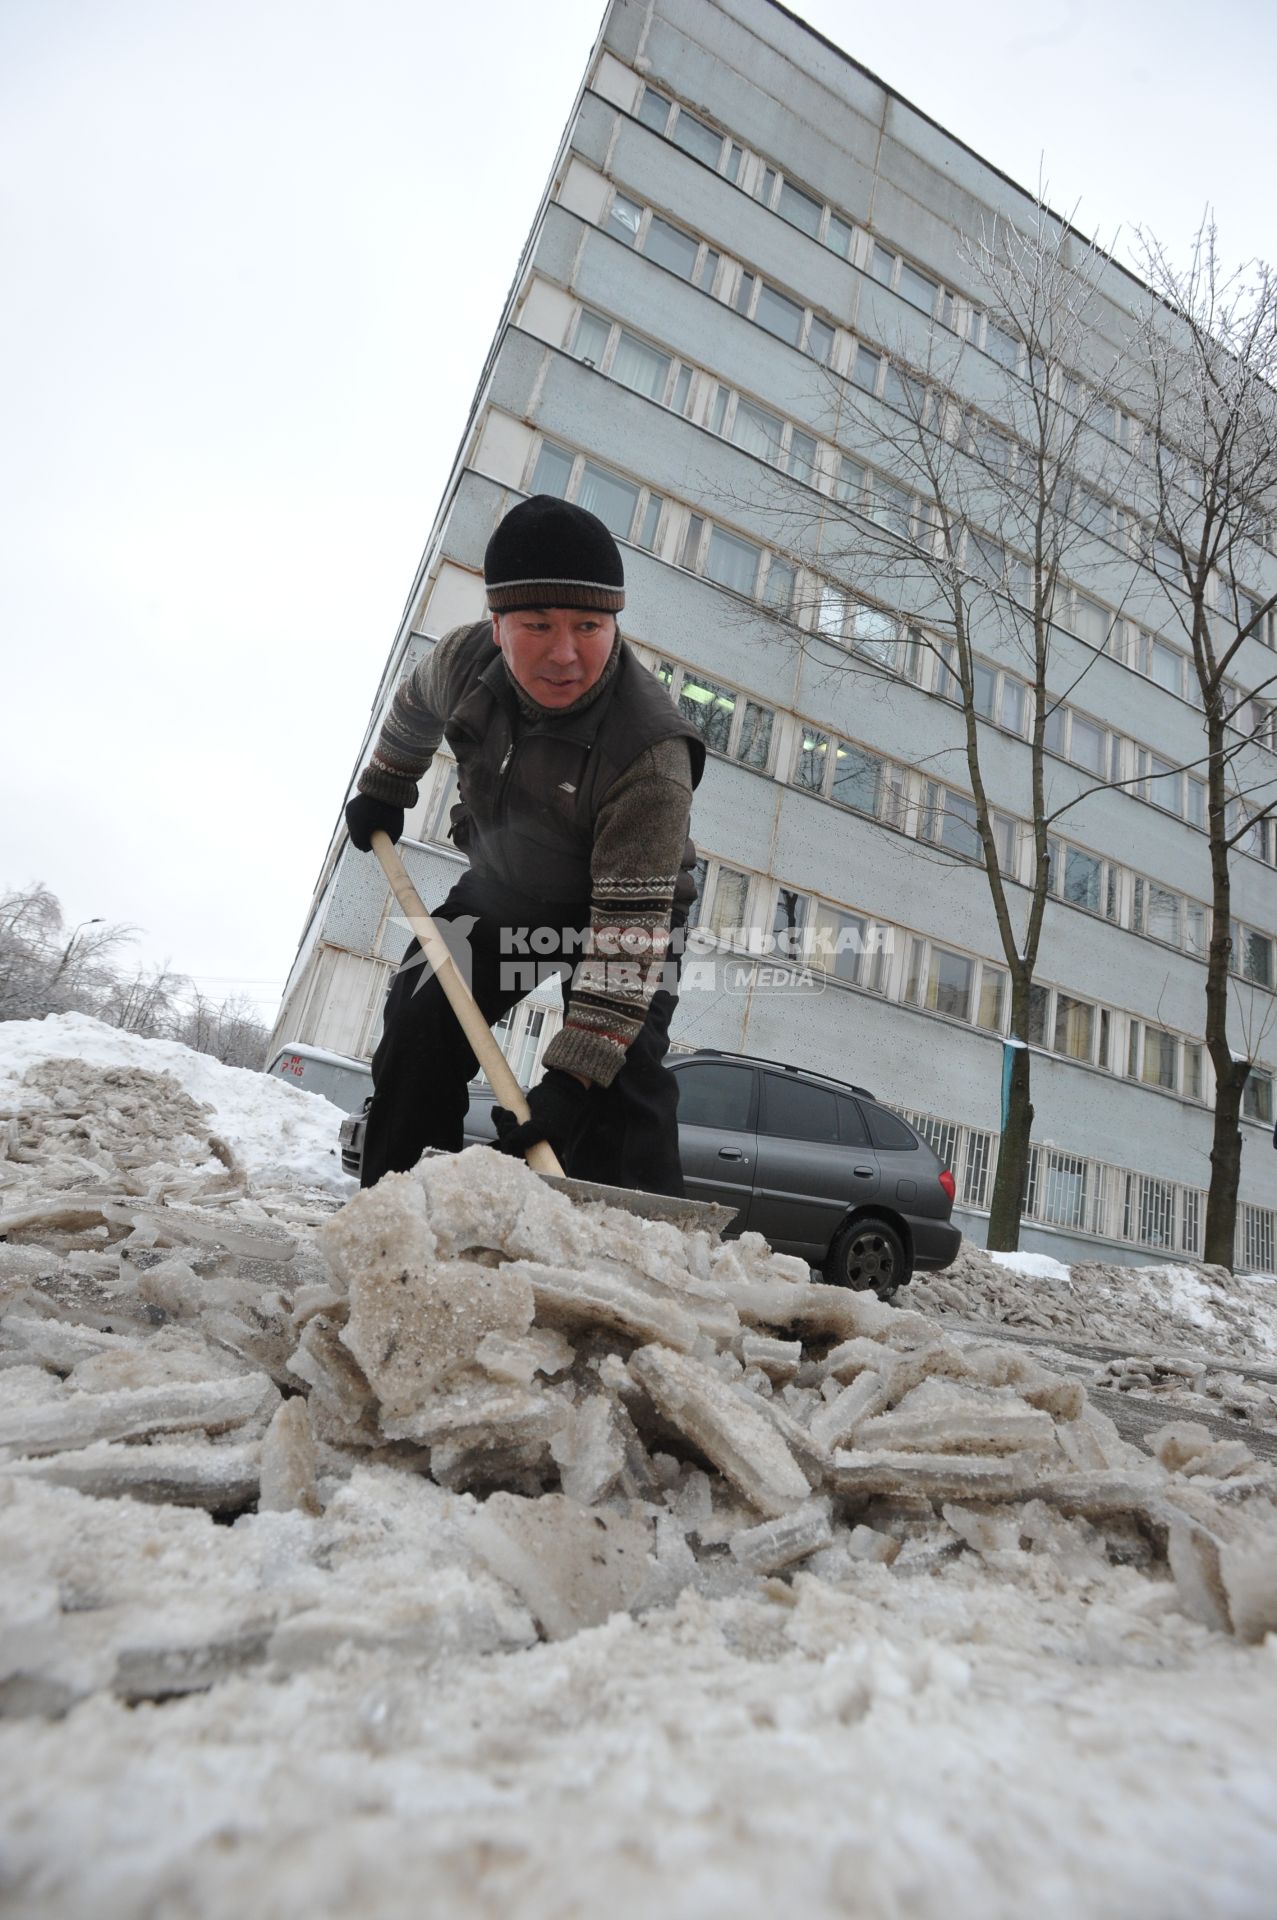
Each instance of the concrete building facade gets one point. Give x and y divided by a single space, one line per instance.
742 227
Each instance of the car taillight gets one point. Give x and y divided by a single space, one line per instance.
949 1184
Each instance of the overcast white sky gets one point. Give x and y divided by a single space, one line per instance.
254 253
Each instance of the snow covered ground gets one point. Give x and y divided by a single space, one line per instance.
840 1610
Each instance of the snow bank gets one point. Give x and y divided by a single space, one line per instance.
278 1132
461 1552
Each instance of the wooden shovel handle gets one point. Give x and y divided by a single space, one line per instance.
541 1156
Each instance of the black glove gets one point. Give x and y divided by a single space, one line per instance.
557 1105
364 815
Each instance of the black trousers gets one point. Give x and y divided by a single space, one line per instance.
423 1063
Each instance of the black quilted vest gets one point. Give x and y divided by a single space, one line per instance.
531 789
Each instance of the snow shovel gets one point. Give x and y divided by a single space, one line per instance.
541 1157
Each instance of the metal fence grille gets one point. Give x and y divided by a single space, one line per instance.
1190 1233
1149 1213
1058 1188
976 1168
1257 1232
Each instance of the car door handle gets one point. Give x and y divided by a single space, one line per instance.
730 1153
862 1173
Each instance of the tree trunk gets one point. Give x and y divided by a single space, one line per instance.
1220 1235
1011 1179
1230 1075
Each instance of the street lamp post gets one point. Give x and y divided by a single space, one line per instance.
96 921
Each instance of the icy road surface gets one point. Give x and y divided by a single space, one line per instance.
455 1554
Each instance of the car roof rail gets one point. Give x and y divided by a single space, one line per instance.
783 1066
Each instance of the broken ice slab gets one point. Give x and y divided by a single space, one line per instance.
1105 1494
779 1543
221 1479
78 1419
778 1359
50 1343
482 1414
850 1358
288 1465
941 1416
835 1421
205 1227
742 1442
567 1297
383 1230
939 1476
1188 1447
332 1372
866 1543
1248 1569
590 1450
572 1566
539 1350
53 1216
412 1330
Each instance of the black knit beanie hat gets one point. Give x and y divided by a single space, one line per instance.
546 553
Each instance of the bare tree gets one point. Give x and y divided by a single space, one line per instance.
44 971
987 504
1208 357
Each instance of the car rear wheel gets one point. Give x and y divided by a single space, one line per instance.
869 1256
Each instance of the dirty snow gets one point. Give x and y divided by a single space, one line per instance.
460 1553
280 1133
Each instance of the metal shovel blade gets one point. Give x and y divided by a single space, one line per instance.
689 1216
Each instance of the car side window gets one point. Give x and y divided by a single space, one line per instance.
715 1095
795 1110
886 1131
852 1130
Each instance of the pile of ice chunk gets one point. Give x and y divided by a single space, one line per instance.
585 1413
638 1408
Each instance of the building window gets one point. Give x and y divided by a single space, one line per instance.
951 821
994 982
727 720
670 247
917 289
949 977
732 562
1083 880
778 589
697 139
820 340
1074 1027
654 110
1257 1096
614 500
623 220
799 209
856 778
553 470
851 480
630 512
779 315
592 335
756 431
728 903
812 762
641 367
865 368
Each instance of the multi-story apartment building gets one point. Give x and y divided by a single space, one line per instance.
742 224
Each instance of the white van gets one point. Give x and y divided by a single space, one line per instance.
346 1082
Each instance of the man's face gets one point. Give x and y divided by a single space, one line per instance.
555 653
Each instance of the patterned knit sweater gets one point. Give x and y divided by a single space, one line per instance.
639 841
